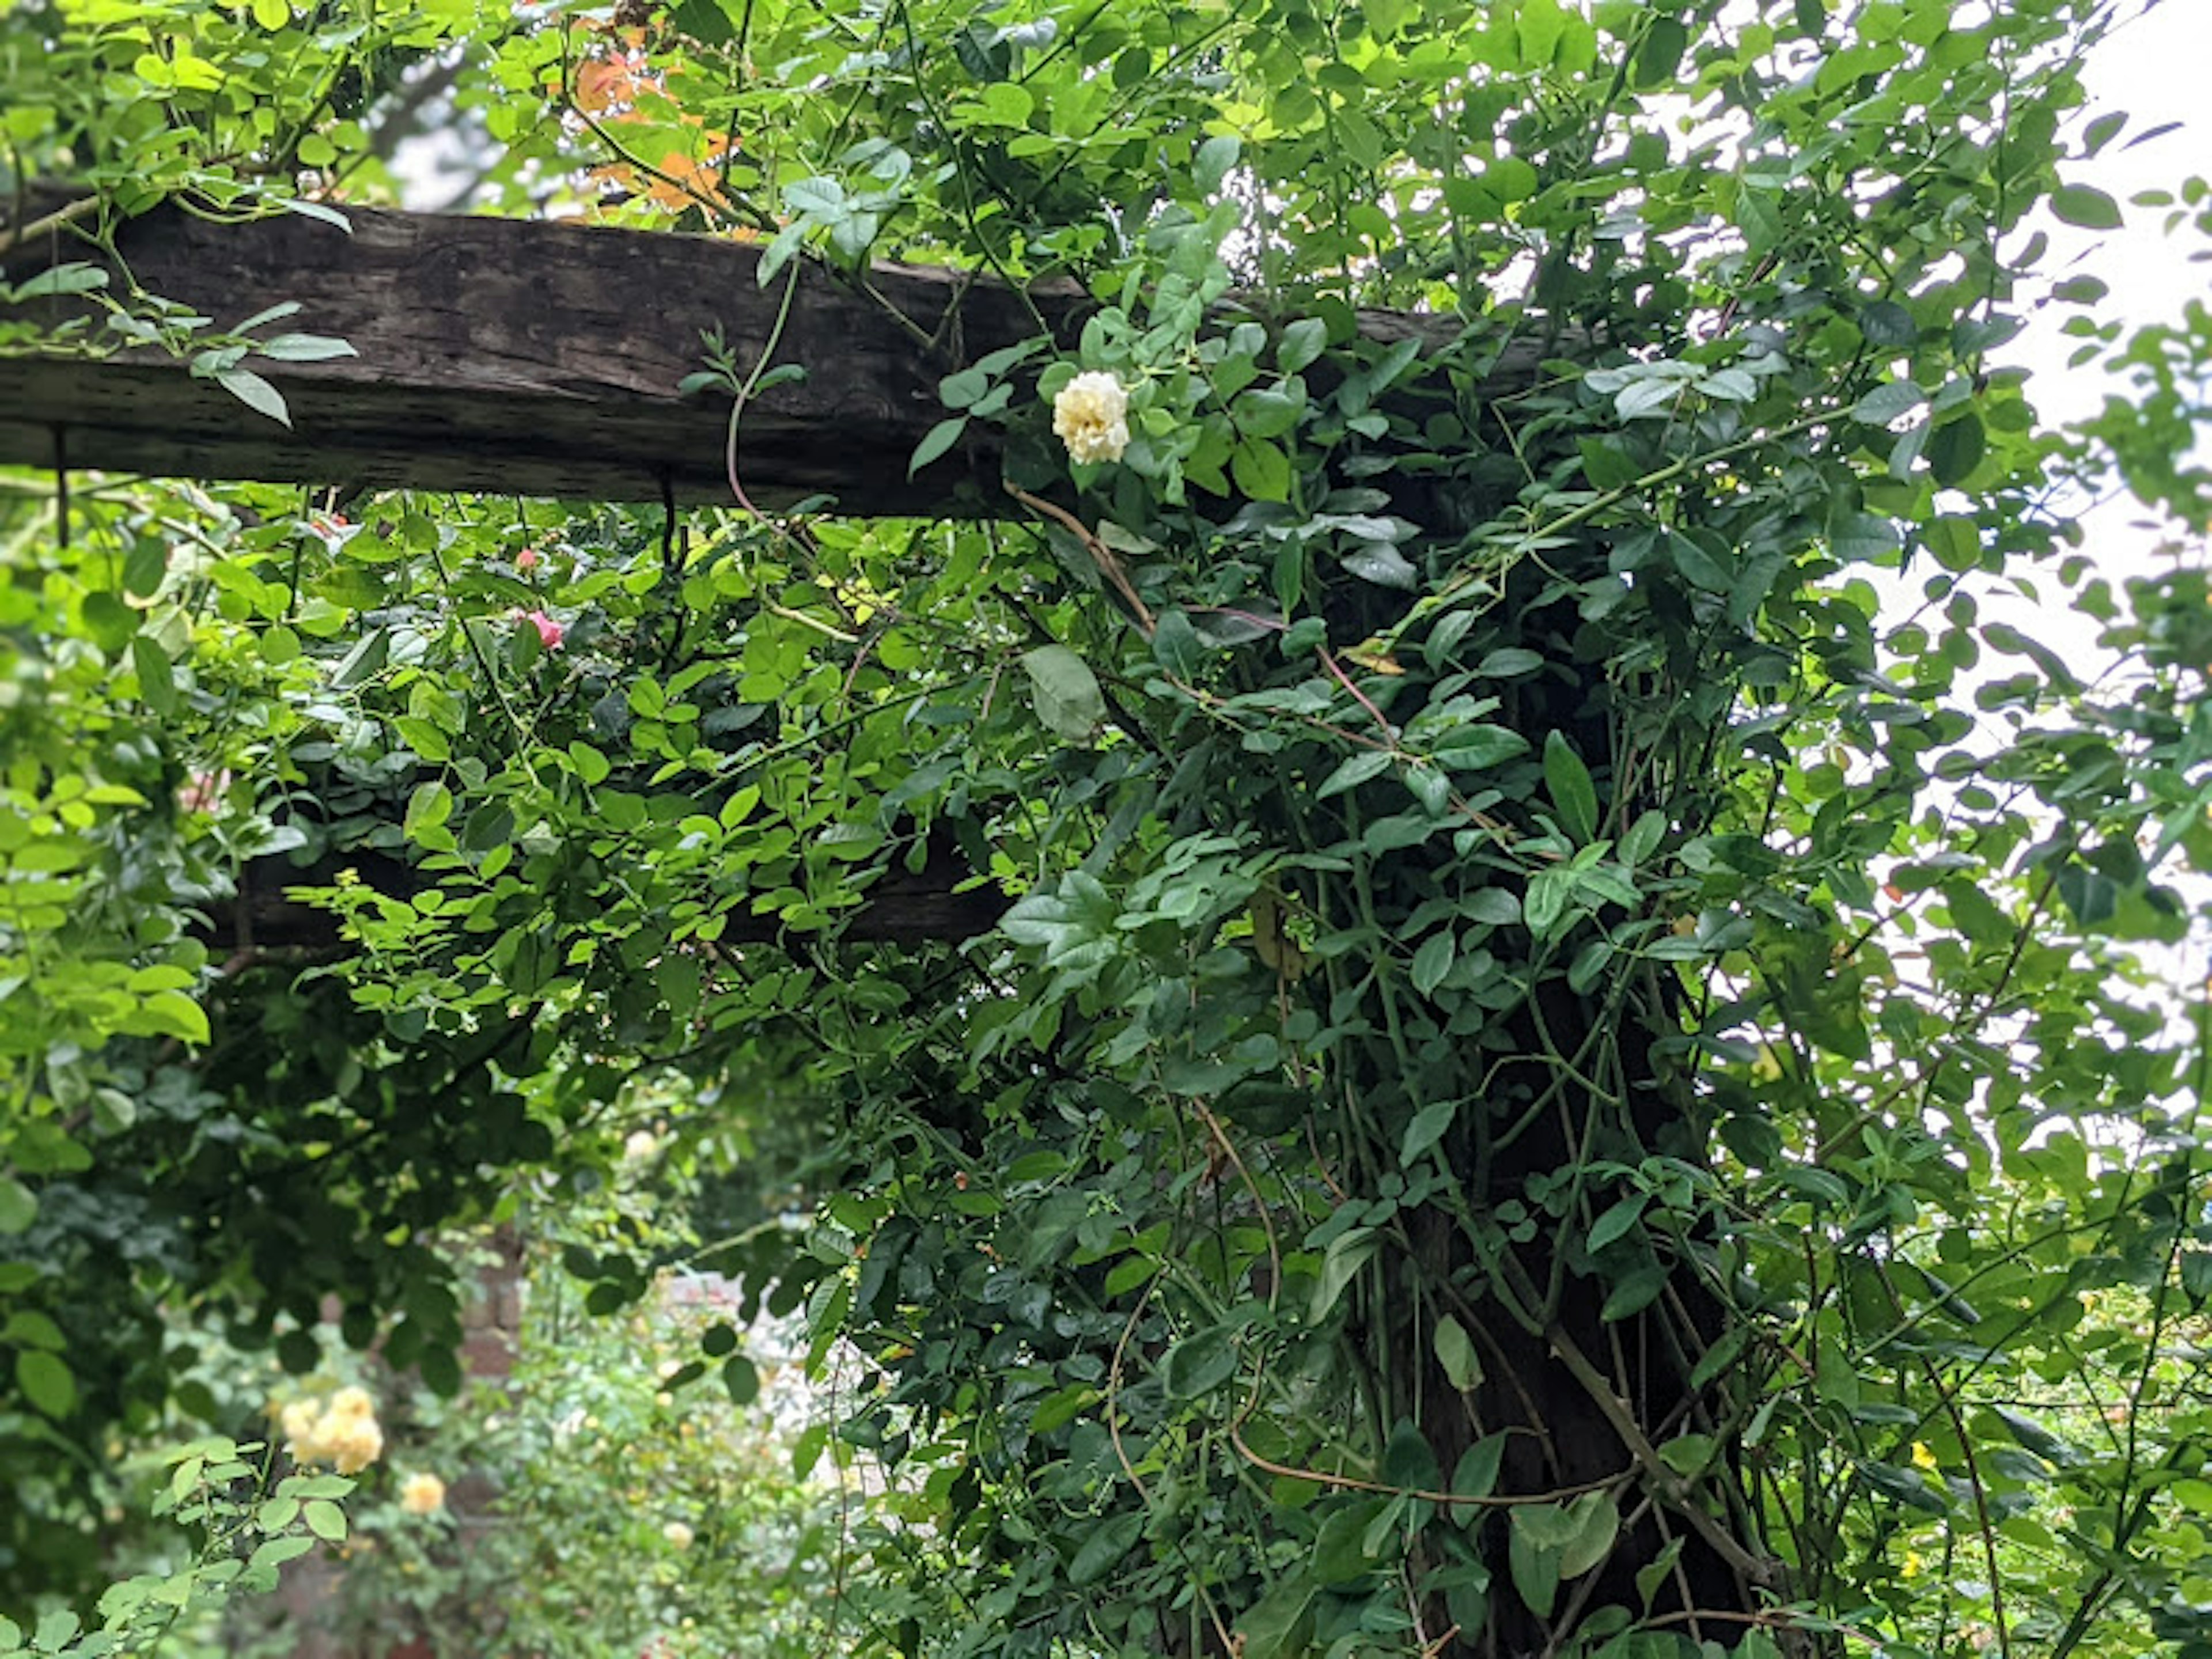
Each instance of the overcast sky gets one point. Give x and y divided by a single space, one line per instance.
2158 69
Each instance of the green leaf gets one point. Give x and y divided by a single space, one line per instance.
47 1382
171 1013
1347 1253
1507 662
1215 157
325 1519
1382 564
1606 464
1863 538
1700 566
255 393
427 808
1301 342
1905 1486
28 1327
1887 401
1462 1364
1339 1552
1199 1364
741 1379
1064 692
144 567
1353 771
74 277
1637 1290
18 1207
1616 1221
1476 1475
1541 24
1427 1127
1272 1628
1103 1546
1266 412
590 764
305 348
935 441
2087 207
364 662
1544 906
1688 1454
2036 1437
1955 449
1477 748
275 1551
1885 323
1261 470
1597 1524
1434 960
1568 782
1409 1463
1175 644
1534 1565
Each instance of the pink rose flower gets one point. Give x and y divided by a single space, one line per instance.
526 560
205 792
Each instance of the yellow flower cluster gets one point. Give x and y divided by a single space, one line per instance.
343 1432
1091 416
422 1494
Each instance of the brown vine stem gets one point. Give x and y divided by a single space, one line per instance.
1217 710
1431 603
1108 565
1267 1218
1121 1454
1419 1494
62 218
1778 1618
1668 1485
1341 1482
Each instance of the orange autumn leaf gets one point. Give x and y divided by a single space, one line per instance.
601 85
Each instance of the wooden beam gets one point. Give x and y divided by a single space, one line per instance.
536 358
525 357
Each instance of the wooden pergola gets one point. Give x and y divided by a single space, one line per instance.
544 359
540 358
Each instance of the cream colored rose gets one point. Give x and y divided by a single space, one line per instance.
343 1434
1091 416
352 1402
678 1534
422 1494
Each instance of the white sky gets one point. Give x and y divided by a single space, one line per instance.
2158 69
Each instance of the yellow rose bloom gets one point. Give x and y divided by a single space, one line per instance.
1091 416
422 1494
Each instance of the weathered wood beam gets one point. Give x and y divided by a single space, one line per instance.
535 358
521 356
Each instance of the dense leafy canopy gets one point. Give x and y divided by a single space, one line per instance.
1572 1068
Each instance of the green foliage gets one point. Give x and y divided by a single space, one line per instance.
1573 1068
606 1496
244 1531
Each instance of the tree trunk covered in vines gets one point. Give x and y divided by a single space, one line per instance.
1582 1357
